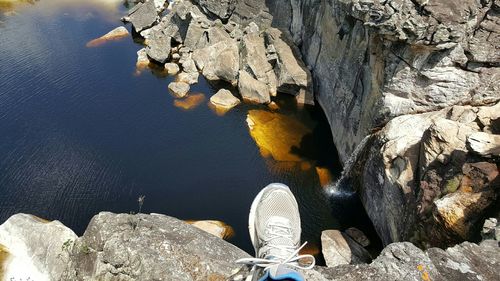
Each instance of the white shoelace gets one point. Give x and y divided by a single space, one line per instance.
291 261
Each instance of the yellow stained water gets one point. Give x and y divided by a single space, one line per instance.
191 102
277 135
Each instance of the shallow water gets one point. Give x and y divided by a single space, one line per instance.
82 131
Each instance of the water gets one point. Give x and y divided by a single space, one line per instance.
82 131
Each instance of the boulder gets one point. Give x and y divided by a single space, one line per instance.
172 68
484 144
254 60
179 89
358 236
143 15
339 249
150 247
491 229
222 9
115 34
188 77
158 46
253 90
219 61
224 98
37 249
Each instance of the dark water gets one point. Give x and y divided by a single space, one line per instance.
81 131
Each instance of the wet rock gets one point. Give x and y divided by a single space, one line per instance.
37 249
358 236
189 78
143 15
142 59
115 34
253 90
339 249
158 46
179 89
225 99
219 61
172 68
484 144
150 247
216 228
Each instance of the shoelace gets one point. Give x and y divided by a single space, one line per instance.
291 261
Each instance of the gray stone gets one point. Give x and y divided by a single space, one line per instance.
179 89
491 229
253 60
143 15
220 8
253 90
338 249
150 247
172 68
225 99
38 249
484 144
358 236
219 61
158 46
188 77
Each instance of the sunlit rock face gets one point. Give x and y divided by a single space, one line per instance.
190 102
114 35
277 135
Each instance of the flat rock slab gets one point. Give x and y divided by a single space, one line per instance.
179 89
143 15
115 34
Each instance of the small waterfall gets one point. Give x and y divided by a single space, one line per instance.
342 187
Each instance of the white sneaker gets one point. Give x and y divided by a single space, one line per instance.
274 225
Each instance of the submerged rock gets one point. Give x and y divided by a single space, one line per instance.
190 102
115 34
225 99
179 89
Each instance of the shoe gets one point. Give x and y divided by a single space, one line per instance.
274 225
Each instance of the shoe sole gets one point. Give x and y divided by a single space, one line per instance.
255 203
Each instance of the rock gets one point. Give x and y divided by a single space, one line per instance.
172 68
484 144
189 78
219 61
142 59
115 34
178 89
292 75
339 249
225 99
158 46
489 117
191 102
254 60
221 9
253 90
216 228
150 247
358 236
189 66
491 229
37 249
160 5
143 15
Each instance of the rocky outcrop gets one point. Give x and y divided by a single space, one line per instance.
419 181
158 247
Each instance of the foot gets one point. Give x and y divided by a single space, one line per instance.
274 225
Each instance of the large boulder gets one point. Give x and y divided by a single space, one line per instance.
338 248
419 181
36 249
219 61
143 15
150 247
253 90
158 46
